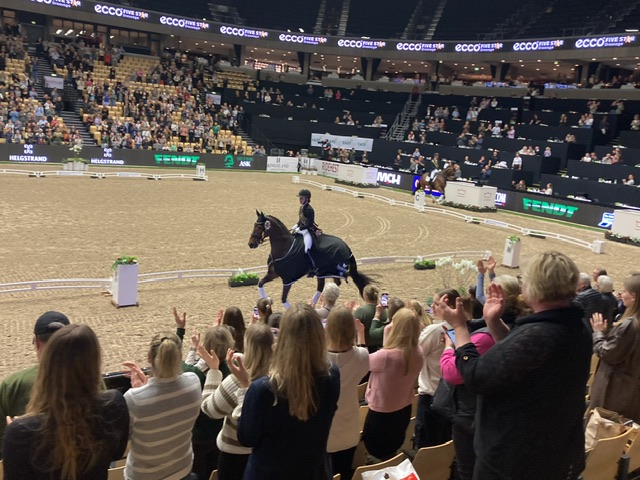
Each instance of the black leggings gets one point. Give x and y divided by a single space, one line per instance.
231 466
384 433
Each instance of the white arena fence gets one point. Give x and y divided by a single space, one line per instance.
101 175
145 278
596 246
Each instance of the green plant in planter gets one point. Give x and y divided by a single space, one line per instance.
124 260
76 149
424 264
242 279
513 238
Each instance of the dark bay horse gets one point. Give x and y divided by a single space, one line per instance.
438 183
331 257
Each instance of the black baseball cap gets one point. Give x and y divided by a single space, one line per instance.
45 324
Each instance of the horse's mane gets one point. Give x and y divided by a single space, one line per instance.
448 169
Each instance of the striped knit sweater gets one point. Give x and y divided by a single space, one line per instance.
219 399
162 414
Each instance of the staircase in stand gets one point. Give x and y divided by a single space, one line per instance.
44 69
403 120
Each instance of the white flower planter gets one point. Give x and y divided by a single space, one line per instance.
124 285
511 254
80 166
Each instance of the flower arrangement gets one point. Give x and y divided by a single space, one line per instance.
124 260
76 149
470 208
424 264
456 274
356 184
616 237
243 279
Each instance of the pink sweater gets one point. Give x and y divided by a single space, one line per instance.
390 389
482 341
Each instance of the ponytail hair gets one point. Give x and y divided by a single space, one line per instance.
264 306
165 355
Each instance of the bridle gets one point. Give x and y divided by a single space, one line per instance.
254 235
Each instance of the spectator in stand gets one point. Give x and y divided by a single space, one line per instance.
588 298
72 429
635 123
163 410
330 295
15 390
343 332
366 313
286 417
264 307
516 164
548 356
549 189
615 386
394 370
610 301
630 180
219 396
463 416
431 427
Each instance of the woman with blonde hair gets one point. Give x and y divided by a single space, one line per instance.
417 307
394 370
615 385
71 430
286 416
163 410
219 397
342 330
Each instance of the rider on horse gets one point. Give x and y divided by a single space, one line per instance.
306 222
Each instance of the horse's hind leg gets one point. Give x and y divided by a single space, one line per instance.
319 289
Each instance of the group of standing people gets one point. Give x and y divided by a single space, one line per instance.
289 405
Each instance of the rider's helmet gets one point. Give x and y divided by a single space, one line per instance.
305 193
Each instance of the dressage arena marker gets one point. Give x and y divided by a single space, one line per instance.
106 283
102 175
596 246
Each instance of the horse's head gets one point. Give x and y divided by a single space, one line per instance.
268 226
259 232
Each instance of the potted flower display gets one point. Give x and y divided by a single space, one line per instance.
424 264
124 281
511 255
243 279
75 163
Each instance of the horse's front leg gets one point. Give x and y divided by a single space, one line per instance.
270 276
319 290
285 294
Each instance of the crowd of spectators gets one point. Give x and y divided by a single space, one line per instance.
225 404
24 117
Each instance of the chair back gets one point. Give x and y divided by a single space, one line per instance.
603 458
434 463
116 473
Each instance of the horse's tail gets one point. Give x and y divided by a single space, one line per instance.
360 279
